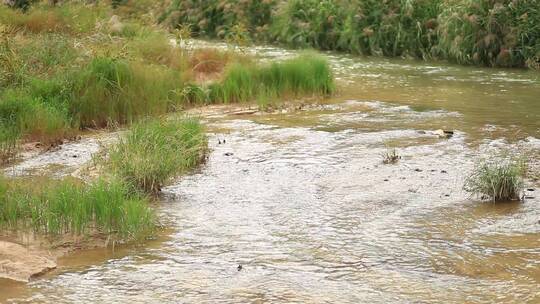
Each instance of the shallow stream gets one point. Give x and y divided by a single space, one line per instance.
301 200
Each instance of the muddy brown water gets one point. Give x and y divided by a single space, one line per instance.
301 200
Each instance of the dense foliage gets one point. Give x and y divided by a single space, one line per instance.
486 32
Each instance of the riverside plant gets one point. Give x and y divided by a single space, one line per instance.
483 32
391 157
154 151
499 179
55 207
63 70
306 74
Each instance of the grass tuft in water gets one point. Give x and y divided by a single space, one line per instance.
391 157
500 179
154 151
66 206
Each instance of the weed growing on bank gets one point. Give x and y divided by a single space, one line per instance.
304 75
498 179
58 207
155 151
121 92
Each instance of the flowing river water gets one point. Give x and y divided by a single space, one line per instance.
300 199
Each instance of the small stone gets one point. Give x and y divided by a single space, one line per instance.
239 267
530 189
418 170
385 179
228 154
444 171
443 133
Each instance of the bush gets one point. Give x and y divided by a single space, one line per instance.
155 151
497 180
57 207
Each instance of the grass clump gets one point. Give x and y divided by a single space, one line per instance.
391 157
117 91
307 74
155 151
58 207
497 180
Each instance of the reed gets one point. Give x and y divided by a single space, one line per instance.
482 32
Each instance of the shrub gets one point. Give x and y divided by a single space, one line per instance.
497 180
57 207
155 151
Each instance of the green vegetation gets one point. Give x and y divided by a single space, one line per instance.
485 32
155 151
71 66
307 74
119 91
500 179
58 207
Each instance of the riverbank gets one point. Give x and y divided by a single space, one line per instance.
95 67
486 33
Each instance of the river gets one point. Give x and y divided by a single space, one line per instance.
301 200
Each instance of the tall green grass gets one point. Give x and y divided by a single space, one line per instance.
119 92
154 151
218 18
485 32
58 207
304 75
33 117
500 179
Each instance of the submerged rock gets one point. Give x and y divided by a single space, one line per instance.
20 264
443 133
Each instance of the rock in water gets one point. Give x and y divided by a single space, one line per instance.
20 264
443 133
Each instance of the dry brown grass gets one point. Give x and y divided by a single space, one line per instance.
35 22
